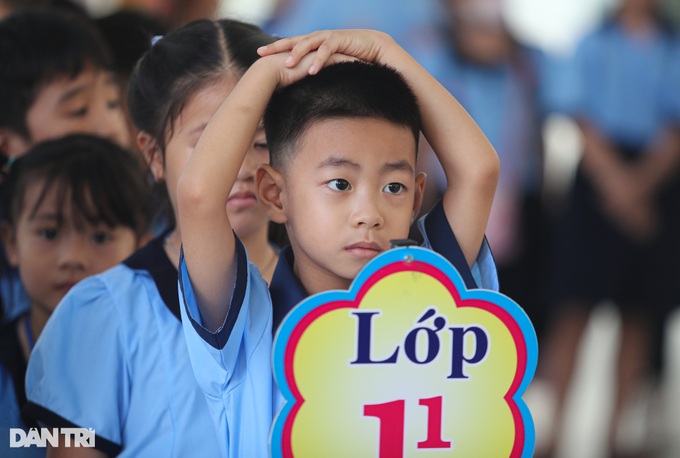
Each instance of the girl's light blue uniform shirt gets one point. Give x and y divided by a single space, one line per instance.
113 358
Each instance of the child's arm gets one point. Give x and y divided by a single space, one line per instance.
203 188
469 161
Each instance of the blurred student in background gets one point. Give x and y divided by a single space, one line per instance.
619 240
503 85
410 23
129 34
55 79
174 13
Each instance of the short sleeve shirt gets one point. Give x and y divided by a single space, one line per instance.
233 365
113 358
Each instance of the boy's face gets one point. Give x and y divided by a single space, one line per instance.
349 190
89 103
52 254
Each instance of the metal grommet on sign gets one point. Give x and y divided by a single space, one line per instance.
404 243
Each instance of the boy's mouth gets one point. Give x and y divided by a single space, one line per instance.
364 250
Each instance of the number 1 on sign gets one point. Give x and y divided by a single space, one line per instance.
392 419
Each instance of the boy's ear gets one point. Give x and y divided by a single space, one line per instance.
269 183
12 144
152 155
421 178
9 239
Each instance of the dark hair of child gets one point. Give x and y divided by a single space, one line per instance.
171 71
38 47
345 90
128 34
102 180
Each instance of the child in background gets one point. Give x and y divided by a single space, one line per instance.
129 375
128 34
342 179
55 79
618 239
73 207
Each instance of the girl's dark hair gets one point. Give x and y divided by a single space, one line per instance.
38 47
184 62
103 182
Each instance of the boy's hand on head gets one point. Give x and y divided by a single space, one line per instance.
286 74
325 45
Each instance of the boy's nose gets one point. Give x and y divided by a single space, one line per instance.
367 213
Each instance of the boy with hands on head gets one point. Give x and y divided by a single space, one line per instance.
343 143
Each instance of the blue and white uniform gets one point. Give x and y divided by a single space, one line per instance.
233 365
625 85
112 357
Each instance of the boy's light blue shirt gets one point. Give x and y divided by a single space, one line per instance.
233 365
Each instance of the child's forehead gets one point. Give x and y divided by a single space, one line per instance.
43 200
60 85
194 109
360 140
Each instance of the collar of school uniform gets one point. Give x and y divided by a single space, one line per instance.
285 289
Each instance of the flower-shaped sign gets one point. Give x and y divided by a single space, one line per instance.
406 363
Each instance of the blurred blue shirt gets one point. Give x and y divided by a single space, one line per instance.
627 85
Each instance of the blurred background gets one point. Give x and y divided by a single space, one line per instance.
556 85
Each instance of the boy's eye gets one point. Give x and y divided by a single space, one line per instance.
48 233
113 104
394 188
101 237
261 145
338 184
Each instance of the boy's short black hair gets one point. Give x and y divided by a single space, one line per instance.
38 47
345 90
103 181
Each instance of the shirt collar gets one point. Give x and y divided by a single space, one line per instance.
285 289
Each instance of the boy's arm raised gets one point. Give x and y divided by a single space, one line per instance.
469 161
203 188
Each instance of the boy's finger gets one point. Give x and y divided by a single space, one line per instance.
274 48
322 56
332 58
308 43
283 44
